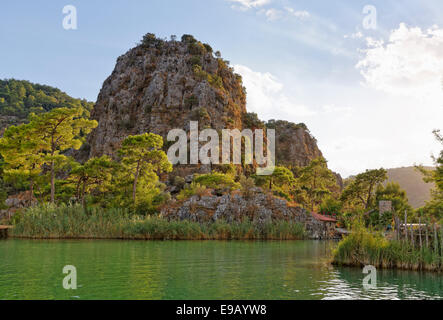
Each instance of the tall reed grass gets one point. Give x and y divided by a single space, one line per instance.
72 222
363 247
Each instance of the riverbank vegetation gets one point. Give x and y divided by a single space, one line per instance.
403 244
120 196
368 247
73 222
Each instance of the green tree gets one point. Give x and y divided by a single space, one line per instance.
20 98
20 149
360 191
434 207
331 206
317 181
281 181
142 155
281 177
393 192
96 173
59 130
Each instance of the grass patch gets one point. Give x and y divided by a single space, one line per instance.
363 247
72 222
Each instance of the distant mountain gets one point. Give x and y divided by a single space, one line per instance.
411 181
18 98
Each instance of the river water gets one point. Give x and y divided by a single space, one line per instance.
196 270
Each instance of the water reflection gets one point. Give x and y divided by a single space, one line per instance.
195 270
391 285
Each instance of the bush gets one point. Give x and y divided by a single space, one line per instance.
208 47
246 185
197 48
199 73
149 40
252 121
191 101
179 182
195 61
191 190
217 180
215 81
200 114
331 206
188 38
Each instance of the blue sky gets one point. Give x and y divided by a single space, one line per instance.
298 59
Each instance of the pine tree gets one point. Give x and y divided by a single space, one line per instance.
96 173
59 130
142 154
21 151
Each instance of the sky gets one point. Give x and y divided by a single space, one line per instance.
366 77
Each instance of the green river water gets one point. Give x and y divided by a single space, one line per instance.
195 270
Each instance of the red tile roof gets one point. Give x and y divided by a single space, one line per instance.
323 218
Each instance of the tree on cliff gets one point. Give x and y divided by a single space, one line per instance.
360 192
57 131
142 155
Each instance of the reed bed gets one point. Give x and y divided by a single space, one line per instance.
72 222
363 247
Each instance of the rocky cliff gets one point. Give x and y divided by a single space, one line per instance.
295 146
161 85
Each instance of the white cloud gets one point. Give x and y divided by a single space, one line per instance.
301 14
266 97
248 4
356 35
274 14
410 63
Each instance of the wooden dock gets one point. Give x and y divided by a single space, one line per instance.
4 231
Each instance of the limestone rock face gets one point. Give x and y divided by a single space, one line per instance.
163 85
295 146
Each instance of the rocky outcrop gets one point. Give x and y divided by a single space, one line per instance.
234 207
15 203
161 85
294 144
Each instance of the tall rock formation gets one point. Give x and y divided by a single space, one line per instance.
162 85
